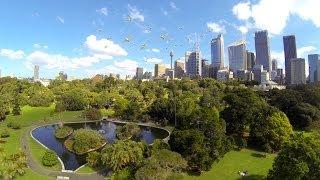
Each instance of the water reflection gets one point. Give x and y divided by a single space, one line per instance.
45 135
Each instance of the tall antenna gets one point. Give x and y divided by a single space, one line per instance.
171 55
197 42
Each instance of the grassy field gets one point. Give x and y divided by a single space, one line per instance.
86 169
31 116
233 162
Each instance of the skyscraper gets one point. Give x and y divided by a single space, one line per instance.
237 56
159 70
139 73
263 49
274 65
217 52
251 60
193 64
205 68
36 72
314 65
290 52
179 69
298 71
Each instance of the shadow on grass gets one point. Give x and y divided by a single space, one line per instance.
258 155
252 177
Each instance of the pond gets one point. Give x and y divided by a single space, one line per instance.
45 135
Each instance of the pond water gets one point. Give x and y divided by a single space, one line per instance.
45 134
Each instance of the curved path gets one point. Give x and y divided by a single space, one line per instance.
36 167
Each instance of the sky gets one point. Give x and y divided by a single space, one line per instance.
88 37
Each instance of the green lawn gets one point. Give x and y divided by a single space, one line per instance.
33 176
233 162
86 169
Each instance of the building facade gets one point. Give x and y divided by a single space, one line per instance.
139 73
193 64
179 69
217 52
290 52
274 65
205 68
257 71
298 71
36 72
314 65
159 70
263 57
251 60
237 57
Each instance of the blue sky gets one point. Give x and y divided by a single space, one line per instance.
86 37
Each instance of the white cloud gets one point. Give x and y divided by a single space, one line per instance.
216 28
103 11
12 54
104 48
303 51
135 14
60 19
155 50
243 29
39 46
126 65
58 61
242 10
273 15
173 5
153 60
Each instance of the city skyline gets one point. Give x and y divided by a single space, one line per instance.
142 33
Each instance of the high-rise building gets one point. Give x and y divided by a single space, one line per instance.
237 56
290 52
159 70
251 60
36 72
205 68
280 78
193 64
139 73
297 70
274 65
257 71
170 73
314 65
217 52
263 49
265 77
179 69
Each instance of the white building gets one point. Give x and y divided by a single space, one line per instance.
237 56
298 71
265 76
193 64
224 75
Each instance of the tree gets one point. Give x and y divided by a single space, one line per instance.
128 131
161 165
94 159
122 154
299 159
92 113
192 146
243 106
49 159
270 131
74 99
302 115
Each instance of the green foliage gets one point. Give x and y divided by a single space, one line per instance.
75 99
63 132
158 145
122 154
85 140
4 133
127 131
13 165
39 96
272 131
299 159
162 165
94 159
14 125
92 113
49 159
192 146
124 174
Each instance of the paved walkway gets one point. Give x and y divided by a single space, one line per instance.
36 167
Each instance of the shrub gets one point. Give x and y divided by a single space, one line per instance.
49 159
94 159
63 132
4 133
14 125
127 131
85 140
92 113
